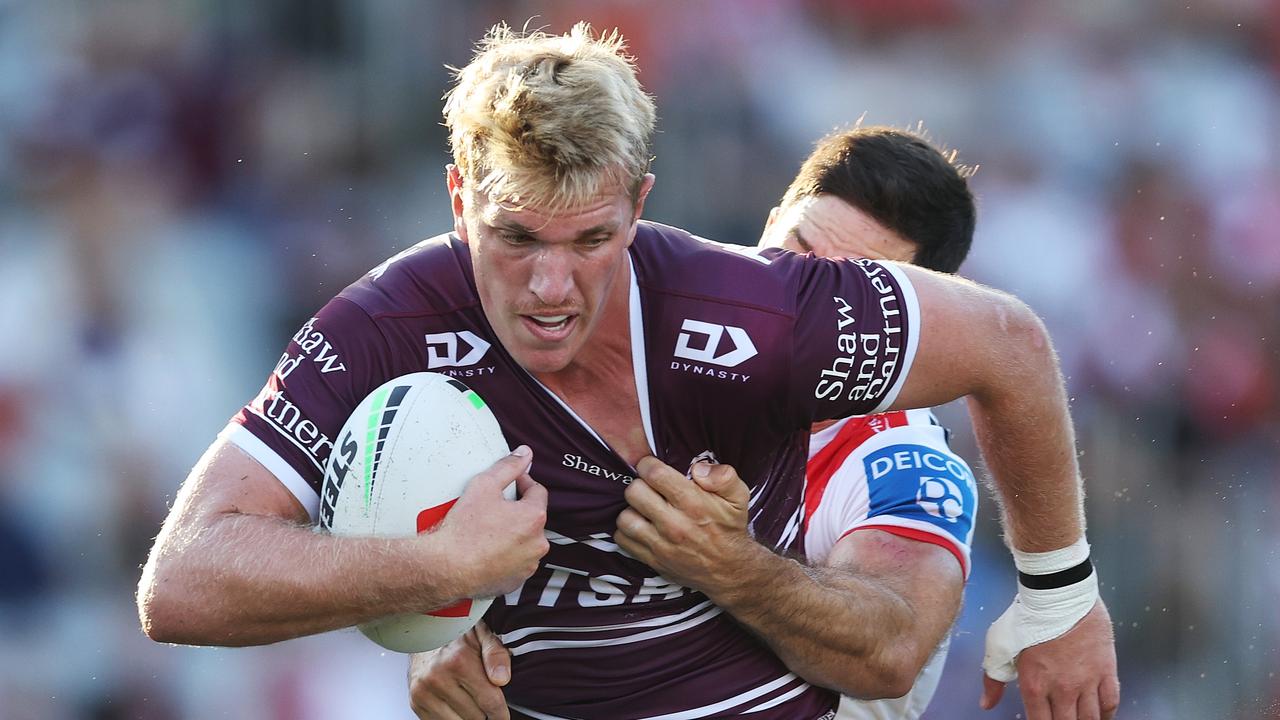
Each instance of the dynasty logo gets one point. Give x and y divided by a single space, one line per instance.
456 353
703 344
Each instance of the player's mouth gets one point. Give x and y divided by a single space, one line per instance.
549 328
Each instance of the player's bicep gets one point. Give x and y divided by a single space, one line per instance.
227 480
924 574
966 332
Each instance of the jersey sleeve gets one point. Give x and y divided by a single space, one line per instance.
856 333
329 366
905 481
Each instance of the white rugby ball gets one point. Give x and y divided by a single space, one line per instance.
400 461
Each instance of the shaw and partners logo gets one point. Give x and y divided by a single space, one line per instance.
461 349
314 345
866 362
288 420
581 464
704 344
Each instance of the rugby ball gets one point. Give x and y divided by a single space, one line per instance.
398 465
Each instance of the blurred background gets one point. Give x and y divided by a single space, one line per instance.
183 183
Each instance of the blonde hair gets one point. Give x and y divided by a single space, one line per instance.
549 121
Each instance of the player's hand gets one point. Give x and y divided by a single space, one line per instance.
1072 677
498 541
463 679
692 532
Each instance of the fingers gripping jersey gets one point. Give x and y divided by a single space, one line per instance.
734 352
892 472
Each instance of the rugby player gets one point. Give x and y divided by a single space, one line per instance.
876 193
883 194
694 349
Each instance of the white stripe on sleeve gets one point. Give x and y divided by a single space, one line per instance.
912 312
238 435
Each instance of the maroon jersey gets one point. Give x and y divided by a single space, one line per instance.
735 351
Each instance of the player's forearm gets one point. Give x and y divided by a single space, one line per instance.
1023 427
828 625
248 580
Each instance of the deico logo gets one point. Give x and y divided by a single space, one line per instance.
941 498
942 484
742 348
443 349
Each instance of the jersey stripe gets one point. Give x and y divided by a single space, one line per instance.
778 700
912 313
705 710
713 708
518 635
791 531
828 460
271 423
599 541
537 645
639 361
535 714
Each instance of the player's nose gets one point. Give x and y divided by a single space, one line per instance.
552 277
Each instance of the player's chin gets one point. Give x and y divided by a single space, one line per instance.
539 359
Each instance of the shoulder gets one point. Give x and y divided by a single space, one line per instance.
897 474
673 261
719 327
884 447
855 435
384 322
430 278
877 457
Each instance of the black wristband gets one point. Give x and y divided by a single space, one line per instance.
1062 578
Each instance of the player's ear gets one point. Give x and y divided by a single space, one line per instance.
768 223
773 215
646 184
453 179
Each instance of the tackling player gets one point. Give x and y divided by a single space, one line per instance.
694 347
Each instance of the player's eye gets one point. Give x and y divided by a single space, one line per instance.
515 239
592 243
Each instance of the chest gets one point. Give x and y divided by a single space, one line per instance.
613 412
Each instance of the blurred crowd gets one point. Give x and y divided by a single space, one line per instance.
182 184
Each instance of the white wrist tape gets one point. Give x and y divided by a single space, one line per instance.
1039 615
1047 563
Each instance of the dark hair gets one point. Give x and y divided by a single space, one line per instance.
903 182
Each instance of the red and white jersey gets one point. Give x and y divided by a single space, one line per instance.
892 472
